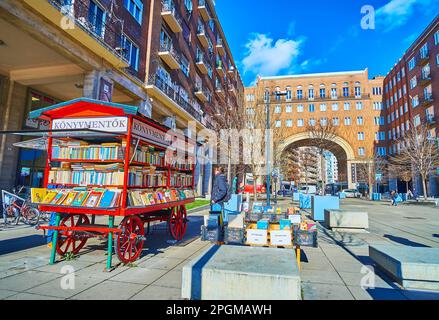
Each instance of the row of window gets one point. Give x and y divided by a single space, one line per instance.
335 121
324 107
323 93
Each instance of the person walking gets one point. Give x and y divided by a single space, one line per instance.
219 190
393 196
409 195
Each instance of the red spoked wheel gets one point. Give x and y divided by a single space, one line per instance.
128 244
178 222
71 241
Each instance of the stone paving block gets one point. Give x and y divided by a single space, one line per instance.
30 296
320 276
319 291
110 290
355 279
161 263
54 289
98 270
6 293
172 279
158 293
377 293
56 268
139 275
26 280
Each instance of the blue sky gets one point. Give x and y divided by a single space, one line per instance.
289 36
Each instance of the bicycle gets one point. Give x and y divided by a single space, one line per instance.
20 209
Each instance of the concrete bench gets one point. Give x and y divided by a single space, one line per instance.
346 219
242 273
413 268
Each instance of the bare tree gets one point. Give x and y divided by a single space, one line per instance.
418 149
255 118
401 171
371 171
322 133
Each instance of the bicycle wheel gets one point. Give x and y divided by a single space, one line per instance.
31 216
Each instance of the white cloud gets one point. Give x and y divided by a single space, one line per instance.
266 57
397 12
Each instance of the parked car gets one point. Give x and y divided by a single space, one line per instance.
308 190
352 193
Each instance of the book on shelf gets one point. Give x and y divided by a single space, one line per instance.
70 198
49 197
93 199
145 154
81 150
88 175
38 195
80 198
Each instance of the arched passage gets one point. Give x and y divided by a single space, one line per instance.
341 149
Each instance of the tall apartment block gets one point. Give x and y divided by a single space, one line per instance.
350 100
169 57
411 93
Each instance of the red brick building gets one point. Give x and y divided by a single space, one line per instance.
411 93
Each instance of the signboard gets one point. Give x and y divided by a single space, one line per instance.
107 124
106 91
151 133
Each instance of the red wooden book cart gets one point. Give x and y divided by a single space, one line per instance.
92 120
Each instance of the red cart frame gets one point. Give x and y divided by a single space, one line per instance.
73 227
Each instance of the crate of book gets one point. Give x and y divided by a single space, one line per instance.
305 238
212 235
233 235
253 216
107 159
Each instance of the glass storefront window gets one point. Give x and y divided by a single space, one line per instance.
31 163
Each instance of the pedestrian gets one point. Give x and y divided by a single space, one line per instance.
235 185
219 190
409 195
393 196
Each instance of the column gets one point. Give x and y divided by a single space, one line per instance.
91 85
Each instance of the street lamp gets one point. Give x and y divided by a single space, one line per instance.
267 142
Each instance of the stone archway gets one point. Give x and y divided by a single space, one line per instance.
338 146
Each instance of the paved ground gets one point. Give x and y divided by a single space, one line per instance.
332 271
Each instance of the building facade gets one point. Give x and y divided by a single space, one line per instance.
349 100
170 58
411 90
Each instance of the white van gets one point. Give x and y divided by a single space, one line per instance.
308 190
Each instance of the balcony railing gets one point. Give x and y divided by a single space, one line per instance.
305 99
201 34
171 16
431 119
425 78
203 10
169 55
107 31
202 93
202 63
424 59
428 99
169 91
220 47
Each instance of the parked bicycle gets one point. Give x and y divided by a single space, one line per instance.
19 209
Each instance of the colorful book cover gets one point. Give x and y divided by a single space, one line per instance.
59 198
106 199
80 198
49 197
151 199
145 199
70 198
174 196
116 199
168 197
38 195
161 197
93 199
137 199
182 195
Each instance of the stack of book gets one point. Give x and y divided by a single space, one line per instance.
181 180
147 155
77 197
77 174
80 150
146 178
141 198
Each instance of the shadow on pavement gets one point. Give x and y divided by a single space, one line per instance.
23 243
405 241
158 239
436 235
